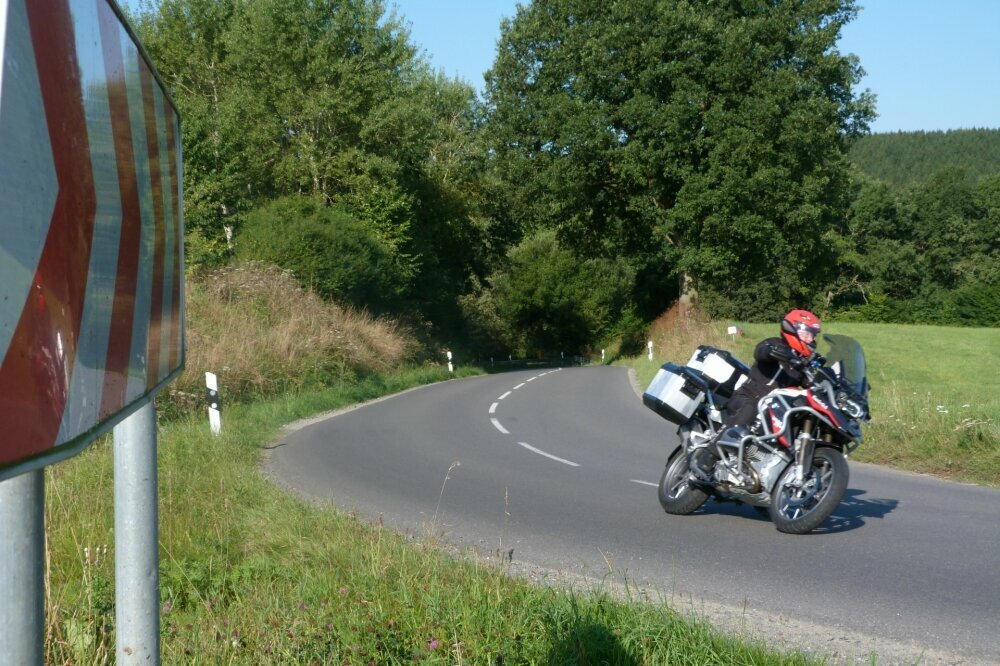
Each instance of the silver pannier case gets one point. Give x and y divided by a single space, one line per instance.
723 372
675 392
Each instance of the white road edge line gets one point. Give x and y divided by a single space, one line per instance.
493 408
519 386
496 424
645 483
504 395
533 379
548 455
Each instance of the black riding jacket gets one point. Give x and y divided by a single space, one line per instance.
771 370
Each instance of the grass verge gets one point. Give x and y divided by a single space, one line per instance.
251 575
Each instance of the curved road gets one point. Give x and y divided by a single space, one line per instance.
558 469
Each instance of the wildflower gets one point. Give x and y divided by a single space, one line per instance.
433 644
343 591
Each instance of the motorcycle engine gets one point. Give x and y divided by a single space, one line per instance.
755 454
767 464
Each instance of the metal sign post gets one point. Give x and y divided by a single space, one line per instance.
22 556
137 562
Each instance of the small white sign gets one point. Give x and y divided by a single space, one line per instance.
733 330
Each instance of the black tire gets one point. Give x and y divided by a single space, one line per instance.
677 495
801 510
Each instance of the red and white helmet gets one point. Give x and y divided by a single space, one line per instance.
800 328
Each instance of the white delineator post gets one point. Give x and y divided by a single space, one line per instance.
214 403
451 368
650 346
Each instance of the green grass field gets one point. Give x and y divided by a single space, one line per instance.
935 397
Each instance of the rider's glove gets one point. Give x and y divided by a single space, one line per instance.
798 362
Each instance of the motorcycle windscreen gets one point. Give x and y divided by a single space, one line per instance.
848 358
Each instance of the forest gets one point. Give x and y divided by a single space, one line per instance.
903 158
622 155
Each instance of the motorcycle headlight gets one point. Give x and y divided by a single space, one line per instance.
854 410
849 406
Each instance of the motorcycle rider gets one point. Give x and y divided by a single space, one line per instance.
778 363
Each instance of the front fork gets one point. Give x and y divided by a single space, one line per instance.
805 447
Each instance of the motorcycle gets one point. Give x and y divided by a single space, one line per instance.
791 463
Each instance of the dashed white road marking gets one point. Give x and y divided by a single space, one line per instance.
496 423
548 455
645 483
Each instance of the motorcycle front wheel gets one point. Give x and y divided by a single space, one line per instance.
677 495
798 509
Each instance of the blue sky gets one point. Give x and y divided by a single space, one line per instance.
934 65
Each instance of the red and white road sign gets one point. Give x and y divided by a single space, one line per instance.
91 229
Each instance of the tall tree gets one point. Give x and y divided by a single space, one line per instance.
698 138
187 42
328 99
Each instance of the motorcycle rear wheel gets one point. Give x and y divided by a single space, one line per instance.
677 495
801 509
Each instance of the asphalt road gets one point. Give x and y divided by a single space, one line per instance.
558 470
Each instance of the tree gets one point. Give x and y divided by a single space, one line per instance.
876 250
329 99
326 249
702 138
548 301
943 214
186 40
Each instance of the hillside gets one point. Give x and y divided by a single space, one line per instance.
903 158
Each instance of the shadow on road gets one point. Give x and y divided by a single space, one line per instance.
853 512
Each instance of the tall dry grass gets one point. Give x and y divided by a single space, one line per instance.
262 334
678 332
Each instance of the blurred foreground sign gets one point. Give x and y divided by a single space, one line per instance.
91 229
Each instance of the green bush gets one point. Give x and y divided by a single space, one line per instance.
977 305
326 249
974 304
548 300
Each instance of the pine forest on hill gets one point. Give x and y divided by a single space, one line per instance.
603 172
903 158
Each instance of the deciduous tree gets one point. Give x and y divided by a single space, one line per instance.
705 138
